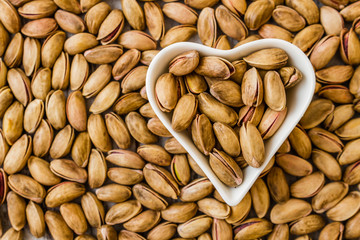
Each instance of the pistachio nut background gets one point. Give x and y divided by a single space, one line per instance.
81 150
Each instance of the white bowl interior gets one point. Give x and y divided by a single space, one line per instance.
298 99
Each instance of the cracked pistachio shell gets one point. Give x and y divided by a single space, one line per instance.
85 5
4 148
228 138
350 44
184 63
57 226
274 91
69 5
117 130
125 158
125 176
329 196
202 134
327 164
35 219
166 91
76 111
253 228
143 222
184 112
231 24
331 20
180 13
346 208
267 59
16 210
227 92
40 171
161 181
128 235
215 110
113 193
333 231
252 145
154 154
289 211
174 147
195 226
316 113
62 143
194 166
106 232
179 33
41 83
280 231
95 16
278 186
214 208
251 114
158 128
111 27
122 212
126 63
351 174
14 52
200 4
321 55
258 13
63 192
74 217
148 197
215 67
93 209
103 54
13 122
165 230
134 14
180 169
349 153
336 93
81 148
154 20
355 82
306 8
138 129
4 40
37 9
306 38
236 6
9 17
3 72
19 84
97 81
325 140
327 75
225 168
27 187
308 186
196 190
40 28
105 98
52 48
61 72
271 122
260 198
79 72
300 142
68 170
18 155
240 211
128 103
43 138
207 27
79 43
351 229
97 169
350 12
290 76
3 186
274 31
308 224
134 80
98 133
33 115
12 234
179 212
222 43
195 83
31 56
349 131
69 22
294 165
288 18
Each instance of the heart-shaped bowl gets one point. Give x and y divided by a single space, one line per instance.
298 99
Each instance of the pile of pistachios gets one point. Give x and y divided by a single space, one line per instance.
82 153
233 89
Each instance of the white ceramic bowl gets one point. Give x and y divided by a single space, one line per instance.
298 99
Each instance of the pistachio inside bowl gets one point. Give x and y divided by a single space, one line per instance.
298 99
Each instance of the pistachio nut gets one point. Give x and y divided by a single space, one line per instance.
134 14
179 212
227 92
349 130
278 186
147 111
105 98
122 212
18 155
14 52
260 198
184 112
207 26
240 211
351 174
308 186
252 145
103 54
195 167
95 16
69 22
16 210
331 194
40 171
98 133
166 92
117 130
4 147
350 12
113 193
93 209
196 190
158 128
267 59
301 142
258 13
4 40
230 23
349 153
74 217
248 39
346 208
148 197
271 122
305 8
41 83
228 139
195 226
63 192
163 231
184 63
128 235
125 176
349 43
327 164
13 122
81 148
85 237
253 228
27 187
221 229
154 20
288 18
321 55
336 93
280 231
55 109
43 139
180 169
67 169
294 165
274 31
138 129
97 81
251 114
39 28
215 67
57 226
125 158
19 84
214 208
306 38
35 219
202 134
9 17
31 56
76 111
143 222
11 234
317 112
308 224
85 5
62 143
52 48
274 91
180 13
200 4
325 140
291 210
179 33
106 232
126 63
3 73
174 147
79 43
331 20
147 56
290 76
351 231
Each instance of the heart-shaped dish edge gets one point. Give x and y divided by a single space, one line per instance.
298 100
